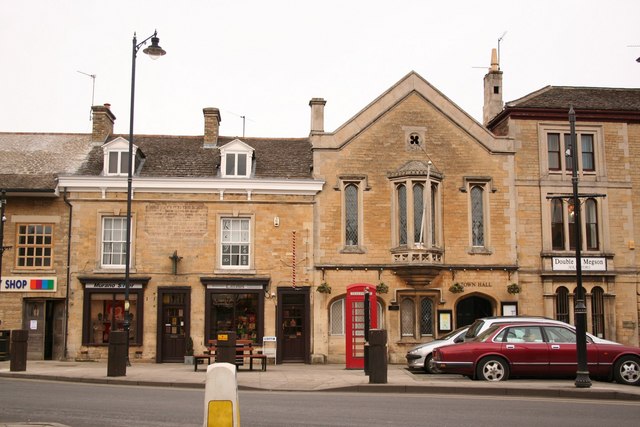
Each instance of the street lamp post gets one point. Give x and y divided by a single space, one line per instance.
154 51
580 309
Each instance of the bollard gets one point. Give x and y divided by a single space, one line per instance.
221 407
378 356
226 347
18 350
117 361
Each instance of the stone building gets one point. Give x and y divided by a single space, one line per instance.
608 133
411 205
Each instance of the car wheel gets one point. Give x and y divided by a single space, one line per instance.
493 369
627 370
429 366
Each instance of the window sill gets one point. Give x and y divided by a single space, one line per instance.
352 250
479 250
234 271
20 270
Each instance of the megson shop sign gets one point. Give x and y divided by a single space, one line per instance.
28 284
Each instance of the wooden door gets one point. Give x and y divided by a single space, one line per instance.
293 320
174 326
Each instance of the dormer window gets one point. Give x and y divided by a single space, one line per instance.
236 159
116 158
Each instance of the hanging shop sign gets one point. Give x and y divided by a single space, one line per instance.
28 284
588 264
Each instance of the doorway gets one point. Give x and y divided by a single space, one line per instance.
293 325
173 324
472 308
44 319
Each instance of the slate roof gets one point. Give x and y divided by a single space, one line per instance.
31 161
583 98
186 156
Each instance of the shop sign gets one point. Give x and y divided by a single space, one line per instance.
588 264
239 286
28 284
111 285
476 284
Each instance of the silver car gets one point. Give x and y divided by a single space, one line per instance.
419 357
482 324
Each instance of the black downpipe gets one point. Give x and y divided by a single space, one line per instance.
66 300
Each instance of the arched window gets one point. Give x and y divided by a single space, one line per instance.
557 225
591 223
351 214
407 317
426 316
477 215
402 214
562 304
434 230
418 212
597 311
336 317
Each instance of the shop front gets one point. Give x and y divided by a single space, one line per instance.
103 311
235 305
42 315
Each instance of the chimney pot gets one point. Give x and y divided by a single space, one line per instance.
212 121
103 120
317 114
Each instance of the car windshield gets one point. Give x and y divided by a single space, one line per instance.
473 330
484 336
452 334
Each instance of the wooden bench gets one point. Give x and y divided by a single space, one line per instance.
244 350
198 359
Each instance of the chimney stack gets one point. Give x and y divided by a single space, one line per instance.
212 121
492 90
317 114
103 120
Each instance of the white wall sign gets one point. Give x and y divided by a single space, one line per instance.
28 284
588 264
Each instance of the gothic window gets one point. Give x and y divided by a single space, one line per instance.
597 311
591 223
402 214
562 304
351 214
477 215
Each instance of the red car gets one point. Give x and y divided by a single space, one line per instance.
536 350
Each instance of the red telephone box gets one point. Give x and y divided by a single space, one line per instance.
355 324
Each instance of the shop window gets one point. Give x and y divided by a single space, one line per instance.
104 312
562 304
235 242
239 312
35 246
563 236
591 224
597 311
114 231
416 314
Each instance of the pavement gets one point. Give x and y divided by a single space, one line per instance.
313 378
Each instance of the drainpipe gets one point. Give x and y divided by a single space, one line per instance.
66 301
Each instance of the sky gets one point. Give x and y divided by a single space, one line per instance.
264 60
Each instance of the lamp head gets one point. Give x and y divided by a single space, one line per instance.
155 51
